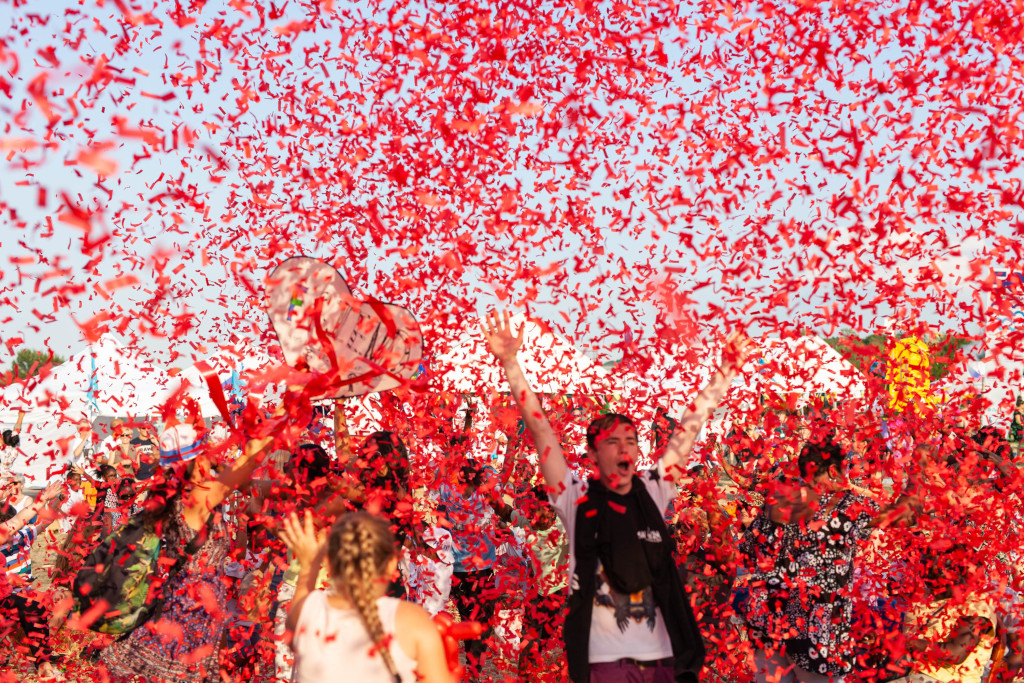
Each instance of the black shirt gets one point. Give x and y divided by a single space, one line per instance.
149 456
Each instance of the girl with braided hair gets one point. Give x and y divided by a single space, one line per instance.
354 627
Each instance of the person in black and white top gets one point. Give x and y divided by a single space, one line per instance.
799 553
629 616
11 441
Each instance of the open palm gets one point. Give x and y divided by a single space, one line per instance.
501 341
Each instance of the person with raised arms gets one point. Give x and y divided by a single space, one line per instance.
11 440
629 617
20 602
184 503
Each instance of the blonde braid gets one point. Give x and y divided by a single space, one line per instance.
358 559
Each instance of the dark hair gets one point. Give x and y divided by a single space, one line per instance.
663 426
472 474
818 456
534 503
602 424
11 439
7 512
943 569
387 447
311 461
540 492
106 470
997 442
163 489
308 468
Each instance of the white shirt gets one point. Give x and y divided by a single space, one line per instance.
622 626
108 444
67 522
22 502
86 456
8 456
429 580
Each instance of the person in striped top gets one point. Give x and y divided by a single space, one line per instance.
18 603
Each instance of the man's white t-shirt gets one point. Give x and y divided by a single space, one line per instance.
622 626
109 444
85 459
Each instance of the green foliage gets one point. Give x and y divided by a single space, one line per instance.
861 352
944 350
865 352
29 362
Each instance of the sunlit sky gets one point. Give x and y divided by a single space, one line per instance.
734 263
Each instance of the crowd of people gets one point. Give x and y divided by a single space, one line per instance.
813 545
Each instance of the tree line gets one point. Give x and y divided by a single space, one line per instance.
29 363
869 353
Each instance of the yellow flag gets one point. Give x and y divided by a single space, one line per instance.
908 373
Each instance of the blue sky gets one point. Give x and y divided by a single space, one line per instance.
405 144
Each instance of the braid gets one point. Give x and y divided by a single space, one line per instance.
360 553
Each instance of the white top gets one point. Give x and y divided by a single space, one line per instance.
8 456
109 443
430 581
88 451
22 502
68 521
332 644
622 626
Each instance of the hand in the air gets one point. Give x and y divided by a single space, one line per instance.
737 348
52 490
500 339
301 538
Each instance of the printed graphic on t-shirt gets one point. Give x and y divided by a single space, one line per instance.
637 607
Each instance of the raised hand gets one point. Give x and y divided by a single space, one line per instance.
737 348
301 538
52 490
497 331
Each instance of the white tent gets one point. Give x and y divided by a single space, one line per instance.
105 378
803 366
102 381
551 364
253 370
998 380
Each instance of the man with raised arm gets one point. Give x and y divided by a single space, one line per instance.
629 617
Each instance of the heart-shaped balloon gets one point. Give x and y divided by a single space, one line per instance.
367 345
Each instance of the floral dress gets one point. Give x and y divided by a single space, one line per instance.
802 601
184 643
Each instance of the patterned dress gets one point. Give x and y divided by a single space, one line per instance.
184 643
803 601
